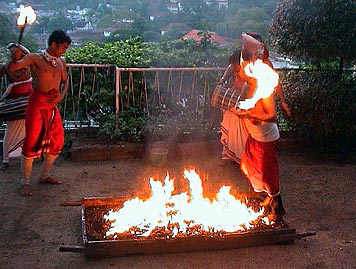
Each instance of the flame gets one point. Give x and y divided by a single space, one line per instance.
27 16
266 78
179 213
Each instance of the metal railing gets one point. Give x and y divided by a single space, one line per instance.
179 91
166 92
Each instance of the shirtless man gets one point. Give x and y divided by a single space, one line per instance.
259 161
264 56
43 122
20 86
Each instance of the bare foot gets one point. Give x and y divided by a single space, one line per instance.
26 190
50 180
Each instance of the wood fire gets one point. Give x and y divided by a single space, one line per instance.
171 223
165 215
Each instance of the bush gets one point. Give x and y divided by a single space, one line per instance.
124 127
323 107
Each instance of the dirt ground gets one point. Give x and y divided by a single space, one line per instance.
319 193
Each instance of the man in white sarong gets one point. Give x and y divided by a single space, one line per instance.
20 86
233 129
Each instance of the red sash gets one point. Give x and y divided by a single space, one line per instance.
44 128
259 163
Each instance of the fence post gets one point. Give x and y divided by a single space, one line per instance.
117 88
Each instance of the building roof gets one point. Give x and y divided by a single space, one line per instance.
193 34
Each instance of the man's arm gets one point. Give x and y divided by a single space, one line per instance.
27 60
268 114
280 94
64 82
63 87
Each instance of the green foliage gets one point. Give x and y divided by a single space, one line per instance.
153 36
205 38
153 15
126 126
323 107
186 53
320 30
7 30
48 24
124 53
121 35
245 20
68 4
98 105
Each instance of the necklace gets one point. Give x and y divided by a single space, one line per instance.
49 58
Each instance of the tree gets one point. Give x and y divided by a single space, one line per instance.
322 99
9 32
6 30
321 30
245 20
48 24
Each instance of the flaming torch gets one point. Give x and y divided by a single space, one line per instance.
27 16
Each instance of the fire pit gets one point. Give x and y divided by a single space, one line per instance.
167 223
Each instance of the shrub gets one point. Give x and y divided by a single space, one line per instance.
323 107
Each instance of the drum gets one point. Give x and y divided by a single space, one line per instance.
13 109
225 98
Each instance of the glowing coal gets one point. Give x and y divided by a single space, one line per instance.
182 213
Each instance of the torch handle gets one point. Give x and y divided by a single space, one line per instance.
22 29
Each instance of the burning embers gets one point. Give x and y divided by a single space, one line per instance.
172 223
165 215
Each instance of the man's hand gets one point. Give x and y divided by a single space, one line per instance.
55 100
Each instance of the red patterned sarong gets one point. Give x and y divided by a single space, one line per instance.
259 163
44 128
19 90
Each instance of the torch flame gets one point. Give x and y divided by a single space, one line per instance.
266 78
181 211
27 16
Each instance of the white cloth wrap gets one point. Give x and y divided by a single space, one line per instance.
264 131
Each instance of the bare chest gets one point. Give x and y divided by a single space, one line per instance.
46 75
51 68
